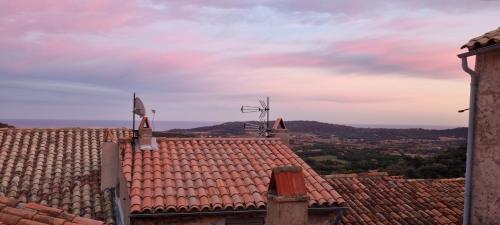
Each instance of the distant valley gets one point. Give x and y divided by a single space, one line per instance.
332 148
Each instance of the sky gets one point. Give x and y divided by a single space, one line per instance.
346 62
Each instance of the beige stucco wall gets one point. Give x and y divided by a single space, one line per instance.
486 158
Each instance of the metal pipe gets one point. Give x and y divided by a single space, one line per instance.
224 213
470 139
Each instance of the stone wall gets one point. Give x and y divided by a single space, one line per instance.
486 158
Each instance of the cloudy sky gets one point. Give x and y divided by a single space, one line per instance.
350 62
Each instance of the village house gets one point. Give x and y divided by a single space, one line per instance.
217 181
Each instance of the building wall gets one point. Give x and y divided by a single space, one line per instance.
486 157
201 220
314 219
322 219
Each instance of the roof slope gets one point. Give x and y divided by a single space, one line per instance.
56 167
390 200
212 174
484 40
13 212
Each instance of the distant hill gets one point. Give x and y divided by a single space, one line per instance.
327 130
4 125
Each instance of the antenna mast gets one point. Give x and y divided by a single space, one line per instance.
262 128
133 121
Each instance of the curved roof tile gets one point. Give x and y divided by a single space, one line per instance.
382 199
214 174
59 167
484 40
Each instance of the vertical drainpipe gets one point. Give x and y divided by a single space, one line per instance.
470 139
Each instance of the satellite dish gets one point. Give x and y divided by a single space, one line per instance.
139 108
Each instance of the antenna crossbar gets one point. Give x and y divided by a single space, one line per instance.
262 128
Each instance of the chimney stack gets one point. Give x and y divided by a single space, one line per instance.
145 135
109 161
287 200
280 131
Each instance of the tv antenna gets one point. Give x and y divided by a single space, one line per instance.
262 128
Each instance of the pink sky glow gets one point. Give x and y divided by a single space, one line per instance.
347 62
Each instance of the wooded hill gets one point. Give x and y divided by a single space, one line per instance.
327 130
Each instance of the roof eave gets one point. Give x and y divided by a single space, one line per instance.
227 212
479 51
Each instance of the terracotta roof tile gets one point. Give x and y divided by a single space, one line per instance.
213 174
56 167
382 199
484 40
18 213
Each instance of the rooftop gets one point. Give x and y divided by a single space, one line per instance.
13 212
56 167
213 174
382 199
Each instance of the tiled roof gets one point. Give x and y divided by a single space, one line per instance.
212 174
56 167
486 39
388 200
13 212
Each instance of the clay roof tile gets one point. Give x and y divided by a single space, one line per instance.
387 200
223 173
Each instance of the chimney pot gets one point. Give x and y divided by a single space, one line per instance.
287 200
280 131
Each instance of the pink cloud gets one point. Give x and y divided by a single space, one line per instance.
67 16
385 55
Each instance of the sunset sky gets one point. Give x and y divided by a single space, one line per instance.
348 62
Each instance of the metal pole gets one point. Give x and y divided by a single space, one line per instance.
267 112
133 122
470 140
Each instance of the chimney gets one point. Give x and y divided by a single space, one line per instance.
109 161
280 131
287 200
482 192
146 140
